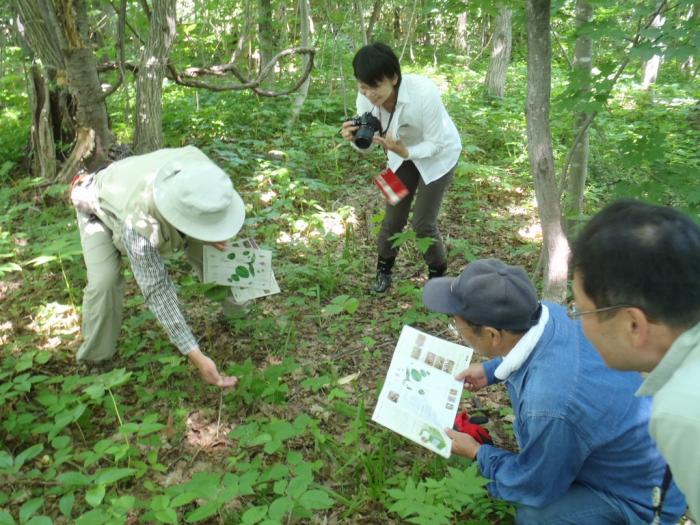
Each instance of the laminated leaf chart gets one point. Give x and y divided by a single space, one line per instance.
420 396
243 267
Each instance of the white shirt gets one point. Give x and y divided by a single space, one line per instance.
421 121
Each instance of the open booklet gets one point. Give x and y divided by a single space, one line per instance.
244 267
420 396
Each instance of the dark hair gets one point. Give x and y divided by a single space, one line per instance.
374 62
477 328
643 255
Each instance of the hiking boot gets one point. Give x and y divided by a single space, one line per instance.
381 283
436 271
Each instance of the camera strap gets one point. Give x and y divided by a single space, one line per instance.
382 133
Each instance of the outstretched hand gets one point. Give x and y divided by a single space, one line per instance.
208 371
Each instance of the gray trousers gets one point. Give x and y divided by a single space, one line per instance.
428 199
103 296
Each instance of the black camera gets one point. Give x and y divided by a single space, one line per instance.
368 126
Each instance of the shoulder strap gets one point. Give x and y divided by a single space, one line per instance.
659 494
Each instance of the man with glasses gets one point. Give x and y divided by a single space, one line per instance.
637 292
585 454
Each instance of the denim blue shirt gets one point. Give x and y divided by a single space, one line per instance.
576 421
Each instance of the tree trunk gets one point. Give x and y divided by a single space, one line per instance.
693 17
461 34
556 247
484 32
651 66
583 60
81 68
43 149
265 37
148 135
409 30
424 25
306 24
360 17
58 33
397 24
3 44
245 32
376 9
283 24
41 30
500 54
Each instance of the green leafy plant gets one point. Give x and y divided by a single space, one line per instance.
436 501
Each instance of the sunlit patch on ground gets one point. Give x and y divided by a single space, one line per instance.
267 196
516 210
332 223
284 238
7 288
5 332
271 360
55 319
531 232
320 225
531 229
206 432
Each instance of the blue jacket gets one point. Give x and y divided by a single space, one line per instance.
576 421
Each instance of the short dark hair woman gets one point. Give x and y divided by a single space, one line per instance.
422 145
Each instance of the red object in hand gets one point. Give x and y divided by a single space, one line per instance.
464 425
391 186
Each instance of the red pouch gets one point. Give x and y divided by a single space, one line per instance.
391 186
479 433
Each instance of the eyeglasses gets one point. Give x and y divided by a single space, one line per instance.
575 313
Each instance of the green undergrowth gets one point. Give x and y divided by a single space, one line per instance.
148 443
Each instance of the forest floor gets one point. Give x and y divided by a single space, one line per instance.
148 442
329 366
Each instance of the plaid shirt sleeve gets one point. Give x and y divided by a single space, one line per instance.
157 288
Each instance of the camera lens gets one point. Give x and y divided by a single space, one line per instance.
363 137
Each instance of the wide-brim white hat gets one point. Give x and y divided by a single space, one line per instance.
198 199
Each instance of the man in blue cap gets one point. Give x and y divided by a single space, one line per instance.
585 453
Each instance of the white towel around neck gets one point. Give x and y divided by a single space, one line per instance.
514 359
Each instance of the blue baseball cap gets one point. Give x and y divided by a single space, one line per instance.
488 292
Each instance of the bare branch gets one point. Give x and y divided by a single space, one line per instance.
186 78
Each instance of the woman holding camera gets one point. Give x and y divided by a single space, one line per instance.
422 145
